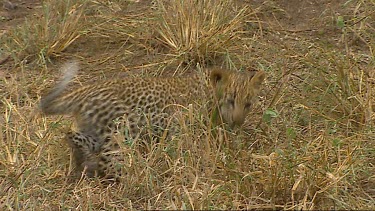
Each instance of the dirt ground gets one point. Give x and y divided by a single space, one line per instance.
14 12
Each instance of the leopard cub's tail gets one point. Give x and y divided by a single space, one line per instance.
53 103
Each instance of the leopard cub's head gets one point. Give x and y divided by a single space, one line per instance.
235 93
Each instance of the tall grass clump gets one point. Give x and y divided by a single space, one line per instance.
48 34
198 30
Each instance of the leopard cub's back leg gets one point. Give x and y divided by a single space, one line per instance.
85 152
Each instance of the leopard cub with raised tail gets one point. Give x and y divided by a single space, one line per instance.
141 104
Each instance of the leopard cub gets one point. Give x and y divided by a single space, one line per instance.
142 104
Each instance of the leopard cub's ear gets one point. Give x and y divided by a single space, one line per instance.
257 79
219 76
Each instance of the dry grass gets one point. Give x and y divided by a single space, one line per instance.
313 148
47 35
197 31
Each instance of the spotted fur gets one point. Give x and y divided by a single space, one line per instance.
141 104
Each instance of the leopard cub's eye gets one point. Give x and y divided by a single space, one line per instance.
231 102
247 105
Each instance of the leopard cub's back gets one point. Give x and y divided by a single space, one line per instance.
135 100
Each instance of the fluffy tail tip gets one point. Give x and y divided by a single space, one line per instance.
69 70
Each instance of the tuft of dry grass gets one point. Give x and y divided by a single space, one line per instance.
198 31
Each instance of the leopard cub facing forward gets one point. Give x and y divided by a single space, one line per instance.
141 104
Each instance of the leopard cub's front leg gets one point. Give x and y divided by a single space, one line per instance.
85 153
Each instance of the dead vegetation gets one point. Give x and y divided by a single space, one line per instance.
308 144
